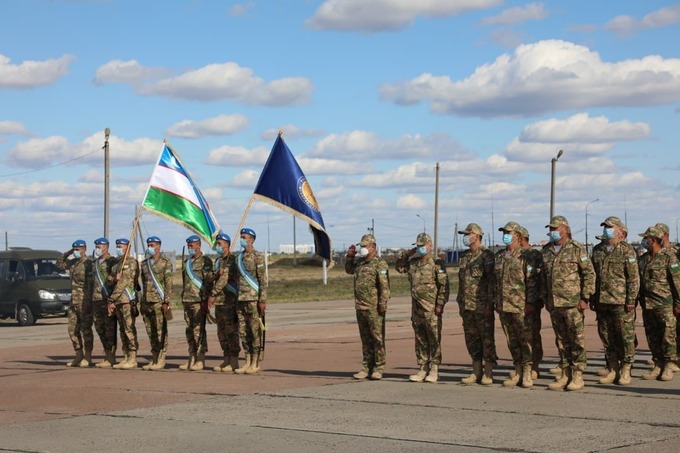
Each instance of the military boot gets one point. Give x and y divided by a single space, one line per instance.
121 364
513 381
674 367
159 364
613 375
77 359
527 381
199 363
535 372
654 373
420 375
363 374
131 362
246 365
254 364
487 377
476 373
189 364
576 380
603 372
557 370
224 364
87 359
154 359
624 378
233 364
562 380
433 375
109 358
667 374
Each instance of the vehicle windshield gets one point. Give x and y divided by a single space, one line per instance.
42 267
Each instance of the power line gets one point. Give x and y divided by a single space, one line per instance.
47 166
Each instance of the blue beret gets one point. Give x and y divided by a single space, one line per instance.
224 237
193 238
101 241
122 241
79 243
153 239
249 231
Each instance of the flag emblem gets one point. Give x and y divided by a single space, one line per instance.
306 194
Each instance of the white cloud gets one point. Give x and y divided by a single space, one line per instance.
246 179
664 17
237 156
506 37
13 128
290 131
411 201
542 77
219 125
330 167
383 15
126 72
517 15
30 74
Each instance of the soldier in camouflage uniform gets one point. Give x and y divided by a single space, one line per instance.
250 281
157 283
371 294
598 255
475 275
123 302
80 309
660 299
617 287
568 283
104 324
534 258
196 275
515 294
674 249
429 293
223 298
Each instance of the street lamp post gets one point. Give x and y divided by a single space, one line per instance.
424 228
107 133
588 204
677 238
552 182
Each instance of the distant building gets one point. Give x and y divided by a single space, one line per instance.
299 248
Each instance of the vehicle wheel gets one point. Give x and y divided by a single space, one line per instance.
25 316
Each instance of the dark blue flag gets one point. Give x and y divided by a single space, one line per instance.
283 185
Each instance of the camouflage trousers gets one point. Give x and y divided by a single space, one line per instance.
602 332
156 327
80 326
126 325
660 327
427 328
536 340
227 328
104 324
372 333
195 317
479 336
517 329
620 327
570 337
249 328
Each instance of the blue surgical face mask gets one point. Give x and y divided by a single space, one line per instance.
507 238
77 254
120 252
98 252
219 249
151 251
466 240
644 244
555 236
244 243
192 252
608 232
422 250
362 252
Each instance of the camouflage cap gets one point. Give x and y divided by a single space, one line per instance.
557 222
511 226
472 228
652 232
663 227
367 239
523 232
422 239
612 221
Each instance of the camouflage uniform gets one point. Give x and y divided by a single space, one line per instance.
617 285
599 253
371 290
475 276
104 324
429 288
659 293
123 296
534 259
196 273
157 282
249 327
224 291
512 290
80 309
568 278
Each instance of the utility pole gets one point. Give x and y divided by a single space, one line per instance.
436 210
294 244
107 133
552 182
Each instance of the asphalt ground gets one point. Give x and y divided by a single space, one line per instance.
305 399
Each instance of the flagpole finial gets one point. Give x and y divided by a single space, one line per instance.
280 132
165 140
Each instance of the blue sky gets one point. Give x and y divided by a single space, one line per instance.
370 95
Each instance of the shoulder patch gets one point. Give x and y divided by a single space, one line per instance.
675 266
584 258
632 259
384 271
